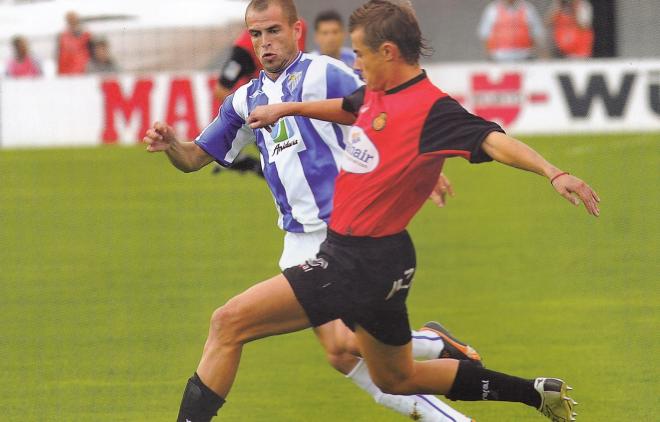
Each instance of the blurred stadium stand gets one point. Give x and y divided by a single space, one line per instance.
150 35
451 25
145 35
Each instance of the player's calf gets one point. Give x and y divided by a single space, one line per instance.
547 395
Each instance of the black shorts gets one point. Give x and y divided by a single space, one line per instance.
360 280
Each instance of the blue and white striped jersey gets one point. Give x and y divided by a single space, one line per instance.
300 157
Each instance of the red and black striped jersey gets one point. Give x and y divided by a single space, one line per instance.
395 153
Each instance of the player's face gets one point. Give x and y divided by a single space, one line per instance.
370 63
275 41
329 37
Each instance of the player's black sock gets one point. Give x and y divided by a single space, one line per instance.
242 164
248 163
474 382
199 403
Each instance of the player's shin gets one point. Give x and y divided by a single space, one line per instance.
416 407
199 403
474 382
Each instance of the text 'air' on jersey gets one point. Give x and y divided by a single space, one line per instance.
395 152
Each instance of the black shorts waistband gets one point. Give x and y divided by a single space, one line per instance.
368 241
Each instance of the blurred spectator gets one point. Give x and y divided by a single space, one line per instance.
242 64
22 64
101 60
511 30
570 23
73 47
329 35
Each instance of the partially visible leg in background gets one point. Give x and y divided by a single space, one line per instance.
393 369
341 349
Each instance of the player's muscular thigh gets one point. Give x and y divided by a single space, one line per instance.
265 309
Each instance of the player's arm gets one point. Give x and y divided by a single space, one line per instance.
328 110
514 153
186 156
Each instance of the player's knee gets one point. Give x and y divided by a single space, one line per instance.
225 323
341 360
392 383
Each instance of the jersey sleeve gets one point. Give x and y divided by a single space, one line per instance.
226 135
240 64
354 101
452 130
328 78
340 80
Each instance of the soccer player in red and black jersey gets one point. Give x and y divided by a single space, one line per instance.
405 128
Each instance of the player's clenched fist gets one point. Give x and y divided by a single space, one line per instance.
159 137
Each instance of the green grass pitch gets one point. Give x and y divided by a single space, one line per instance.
111 263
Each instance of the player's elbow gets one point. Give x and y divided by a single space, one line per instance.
187 168
189 165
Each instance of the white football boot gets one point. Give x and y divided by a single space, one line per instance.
555 403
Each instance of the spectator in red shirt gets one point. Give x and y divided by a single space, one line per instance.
22 64
73 47
572 33
511 31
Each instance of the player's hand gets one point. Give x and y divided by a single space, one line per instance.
576 190
159 137
265 116
440 191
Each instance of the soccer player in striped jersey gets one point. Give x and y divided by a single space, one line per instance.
242 66
300 159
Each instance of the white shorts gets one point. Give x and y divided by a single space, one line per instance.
299 247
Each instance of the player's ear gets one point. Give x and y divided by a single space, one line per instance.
297 29
389 51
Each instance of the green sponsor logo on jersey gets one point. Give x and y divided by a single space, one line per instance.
280 132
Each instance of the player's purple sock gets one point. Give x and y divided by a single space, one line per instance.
474 382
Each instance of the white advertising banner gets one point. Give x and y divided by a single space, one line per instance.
532 98
558 96
94 110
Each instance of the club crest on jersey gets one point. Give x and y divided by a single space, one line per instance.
379 122
293 80
360 155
